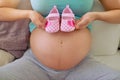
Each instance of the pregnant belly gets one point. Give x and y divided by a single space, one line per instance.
60 50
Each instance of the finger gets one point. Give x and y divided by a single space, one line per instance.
43 23
83 23
41 18
78 23
38 24
77 27
83 27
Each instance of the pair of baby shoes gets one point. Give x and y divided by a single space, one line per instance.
64 23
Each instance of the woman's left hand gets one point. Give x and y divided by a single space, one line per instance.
85 20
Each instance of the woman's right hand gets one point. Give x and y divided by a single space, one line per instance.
37 19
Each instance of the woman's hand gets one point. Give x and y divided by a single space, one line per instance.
37 19
85 20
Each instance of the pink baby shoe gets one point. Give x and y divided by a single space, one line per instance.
53 21
67 21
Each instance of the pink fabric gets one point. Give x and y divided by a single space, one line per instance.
67 21
53 20
67 26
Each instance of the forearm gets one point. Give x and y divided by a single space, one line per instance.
112 16
10 14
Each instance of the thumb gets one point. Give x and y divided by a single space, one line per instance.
83 22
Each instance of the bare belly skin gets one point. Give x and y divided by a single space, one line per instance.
60 50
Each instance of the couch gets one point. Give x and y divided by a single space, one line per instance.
105 40
6 57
